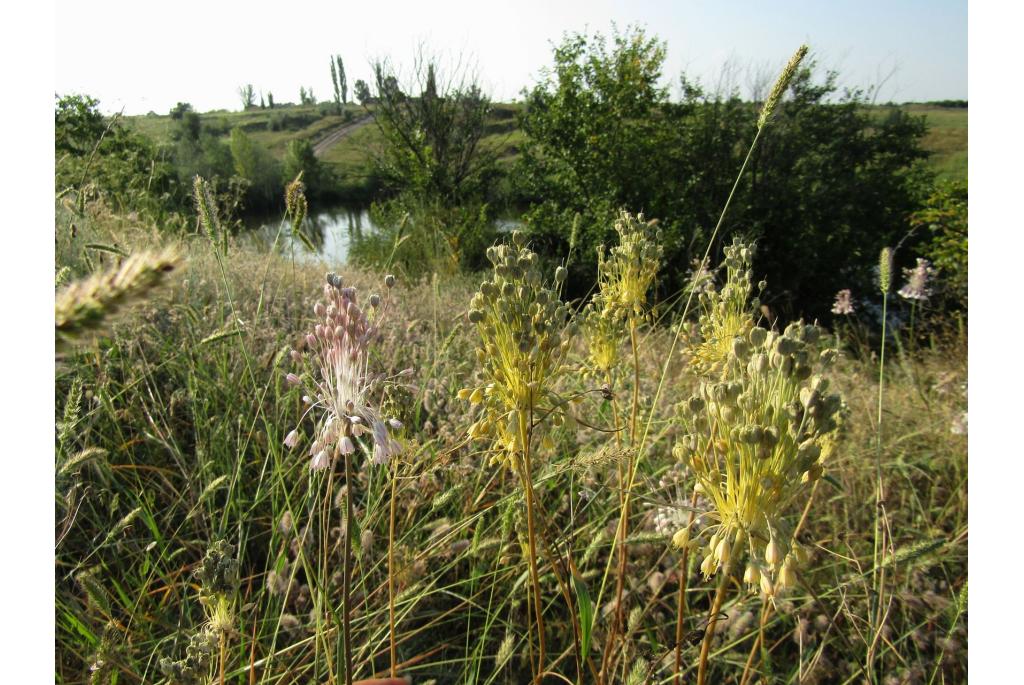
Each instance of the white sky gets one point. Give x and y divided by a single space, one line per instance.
147 56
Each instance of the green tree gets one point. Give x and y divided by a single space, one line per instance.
255 164
270 100
248 96
99 157
342 81
78 124
432 142
336 84
828 184
299 157
362 92
187 122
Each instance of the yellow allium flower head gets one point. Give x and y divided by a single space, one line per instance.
625 275
523 343
756 438
627 272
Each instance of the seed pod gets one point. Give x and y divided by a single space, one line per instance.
740 348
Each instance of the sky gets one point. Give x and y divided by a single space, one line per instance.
147 56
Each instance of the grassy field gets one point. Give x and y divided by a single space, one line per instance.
170 437
946 139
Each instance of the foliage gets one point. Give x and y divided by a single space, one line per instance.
97 157
827 185
257 166
432 141
299 158
944 220
339 82
248 96
417 236
362 92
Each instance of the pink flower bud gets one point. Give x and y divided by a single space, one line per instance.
347 446
292 379
319 309
320 461
310 339
296 356
291 439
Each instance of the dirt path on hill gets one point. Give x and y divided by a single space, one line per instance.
337 134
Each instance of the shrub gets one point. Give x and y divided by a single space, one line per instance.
255 164
827 184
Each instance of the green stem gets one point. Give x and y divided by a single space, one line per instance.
346 577
524 434
879 494
391 569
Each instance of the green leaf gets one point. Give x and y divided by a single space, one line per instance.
586 611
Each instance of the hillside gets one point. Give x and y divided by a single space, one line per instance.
275 128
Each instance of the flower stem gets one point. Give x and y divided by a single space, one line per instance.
346 577
683 579
391 568
524 432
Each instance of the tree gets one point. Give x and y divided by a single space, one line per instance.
188 123
342 81
255 164
306 96
270 100
248 95
78 124
362 92
337 86
432 142
100 157
300 158
829 184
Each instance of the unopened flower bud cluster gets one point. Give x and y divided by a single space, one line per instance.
523 343
726 312
756 440
627 273
337 380
625 276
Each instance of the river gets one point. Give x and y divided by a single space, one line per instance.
330 230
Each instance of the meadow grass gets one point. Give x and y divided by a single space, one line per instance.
170 437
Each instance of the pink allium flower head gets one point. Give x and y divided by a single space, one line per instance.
844 302
341 389
917 286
